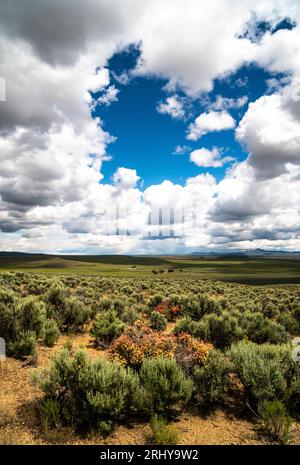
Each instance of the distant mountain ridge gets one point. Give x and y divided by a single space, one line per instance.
221 253
250 253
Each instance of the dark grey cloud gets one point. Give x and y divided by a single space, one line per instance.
59 30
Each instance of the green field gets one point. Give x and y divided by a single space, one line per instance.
237 269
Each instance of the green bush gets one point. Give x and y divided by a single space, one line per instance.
49 410
70 313
260 329
23 346
288 321
162 433
21 323
76 314
105 304
7 297
164 386
296 315
262 368
9 321
221 330
186 325
196 309
92 394
155 300
158 321
129 316
32 314
225 328
55 300
51 333
276 420
106 327
212 378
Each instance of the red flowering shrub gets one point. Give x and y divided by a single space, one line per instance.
134 346
191 351
168 310
127 351
132 351
175 311
159 344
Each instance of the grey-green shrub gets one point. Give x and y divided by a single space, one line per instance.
76 314
221 330
106 327
70 313
51 333
186 325
92 394
129 315
23 346
32 314
55 300
212 378
158 321
261 329
165 386
262 368
21 323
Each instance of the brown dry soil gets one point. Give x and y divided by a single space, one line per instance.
19 422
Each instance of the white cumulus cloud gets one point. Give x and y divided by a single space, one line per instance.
209 158
210 122
172 106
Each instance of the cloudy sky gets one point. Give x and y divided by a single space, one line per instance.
154 126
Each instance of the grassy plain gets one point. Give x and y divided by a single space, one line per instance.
235 269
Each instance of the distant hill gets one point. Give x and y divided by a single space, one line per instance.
249 253
21 254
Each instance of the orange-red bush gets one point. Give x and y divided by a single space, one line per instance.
169 311
134 346
191 351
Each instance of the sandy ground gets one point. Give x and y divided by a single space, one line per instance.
19 423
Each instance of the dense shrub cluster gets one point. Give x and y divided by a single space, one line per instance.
70 313
96 394
267 371
51 333
212 378
21 323
168 342
27 319
89 394
158 321
224 329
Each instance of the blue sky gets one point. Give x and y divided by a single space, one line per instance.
146 139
